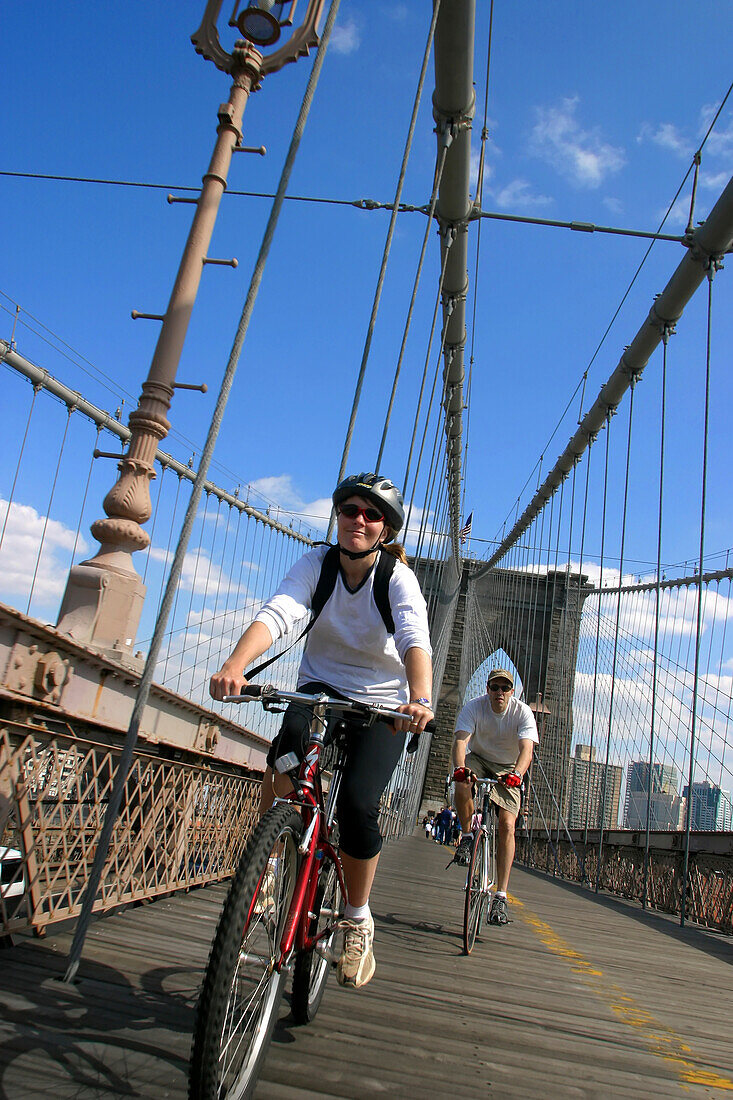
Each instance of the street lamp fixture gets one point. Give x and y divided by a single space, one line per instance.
261 20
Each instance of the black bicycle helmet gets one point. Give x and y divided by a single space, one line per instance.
379 489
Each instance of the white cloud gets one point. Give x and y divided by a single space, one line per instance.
666 136
281 492
582 156
397 12
714 181
519 195
720 141
24 534
345 39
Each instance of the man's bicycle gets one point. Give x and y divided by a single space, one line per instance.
282 912
481 867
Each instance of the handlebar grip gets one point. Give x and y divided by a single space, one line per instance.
414 741
250 691
254 691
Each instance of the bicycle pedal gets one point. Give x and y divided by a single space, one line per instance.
327 954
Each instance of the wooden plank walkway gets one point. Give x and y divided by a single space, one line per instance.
578 997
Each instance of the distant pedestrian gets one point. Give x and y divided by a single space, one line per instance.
442 834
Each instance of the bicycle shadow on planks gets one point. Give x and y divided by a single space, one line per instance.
91 1035
419 928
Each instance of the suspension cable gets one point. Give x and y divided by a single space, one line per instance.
712 266
413 299
616 634
426 364
657 601
385 257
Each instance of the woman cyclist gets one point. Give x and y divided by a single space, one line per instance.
349 653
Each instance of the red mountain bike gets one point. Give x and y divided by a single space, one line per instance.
282 911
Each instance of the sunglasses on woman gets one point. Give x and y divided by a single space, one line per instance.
371 515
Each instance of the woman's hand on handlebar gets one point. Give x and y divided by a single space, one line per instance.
417 716
229 680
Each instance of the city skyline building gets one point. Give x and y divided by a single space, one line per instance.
712 808
585 790
666 804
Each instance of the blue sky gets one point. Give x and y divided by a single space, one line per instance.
594 112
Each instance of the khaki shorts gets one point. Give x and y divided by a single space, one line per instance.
508 798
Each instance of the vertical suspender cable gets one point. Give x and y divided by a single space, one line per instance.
422 391
591 748
385 255
408 322
616 633
69 412
36 390
174 576
657 593
698 632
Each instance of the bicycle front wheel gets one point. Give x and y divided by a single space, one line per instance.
475 895
242 987
310 972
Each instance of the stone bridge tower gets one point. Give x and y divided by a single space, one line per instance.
535 620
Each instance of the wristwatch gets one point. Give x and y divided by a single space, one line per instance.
423 703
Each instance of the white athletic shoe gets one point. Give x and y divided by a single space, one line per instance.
356 966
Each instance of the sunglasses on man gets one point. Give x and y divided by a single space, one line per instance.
500 687
371 515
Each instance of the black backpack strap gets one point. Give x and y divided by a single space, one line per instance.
326 582
382 576
324 588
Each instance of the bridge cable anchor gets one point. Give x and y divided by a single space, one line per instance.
234 262
137 316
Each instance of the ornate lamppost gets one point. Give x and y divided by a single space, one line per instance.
103 600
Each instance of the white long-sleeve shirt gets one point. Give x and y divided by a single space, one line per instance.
348 647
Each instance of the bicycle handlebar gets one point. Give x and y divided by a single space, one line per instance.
269 695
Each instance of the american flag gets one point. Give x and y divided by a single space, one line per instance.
465 530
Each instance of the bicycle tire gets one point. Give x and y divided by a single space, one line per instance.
311 969
475 896
242 990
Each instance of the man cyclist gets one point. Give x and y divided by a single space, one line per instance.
500 733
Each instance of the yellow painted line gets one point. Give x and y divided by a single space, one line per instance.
659 1038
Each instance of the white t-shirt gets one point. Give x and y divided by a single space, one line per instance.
349 648
495 737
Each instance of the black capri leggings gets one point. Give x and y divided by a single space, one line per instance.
371 756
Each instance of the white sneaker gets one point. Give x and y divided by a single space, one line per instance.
356 966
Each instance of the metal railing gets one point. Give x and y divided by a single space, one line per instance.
710 872
179 826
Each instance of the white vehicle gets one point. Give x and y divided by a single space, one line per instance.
12 879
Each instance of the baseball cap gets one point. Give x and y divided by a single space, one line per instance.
500 674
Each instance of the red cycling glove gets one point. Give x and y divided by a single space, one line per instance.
512 779
461 775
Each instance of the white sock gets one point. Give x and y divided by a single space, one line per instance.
357 912
500 894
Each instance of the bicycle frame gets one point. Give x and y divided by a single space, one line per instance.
315 843
317 816
488 863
